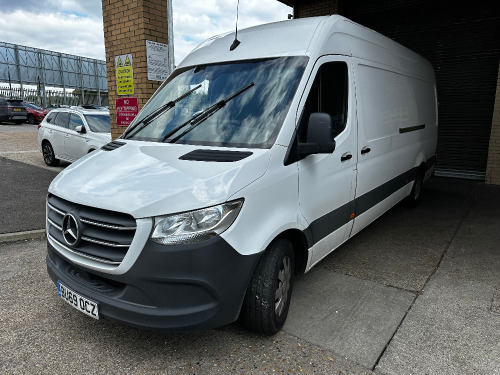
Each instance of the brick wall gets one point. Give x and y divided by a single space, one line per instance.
127 26
493 168
316 8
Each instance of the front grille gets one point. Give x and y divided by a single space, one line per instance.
104 236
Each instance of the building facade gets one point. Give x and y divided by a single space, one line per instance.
462 41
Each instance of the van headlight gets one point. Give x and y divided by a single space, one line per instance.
195 226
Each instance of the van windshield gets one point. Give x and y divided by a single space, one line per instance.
252 118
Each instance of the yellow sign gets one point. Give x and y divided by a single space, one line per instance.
124 75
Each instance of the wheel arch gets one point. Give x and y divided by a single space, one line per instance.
299 242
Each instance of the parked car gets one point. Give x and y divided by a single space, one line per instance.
12 110
35 113
70 133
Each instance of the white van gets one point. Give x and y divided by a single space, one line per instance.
247 167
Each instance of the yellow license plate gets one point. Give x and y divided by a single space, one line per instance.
17 109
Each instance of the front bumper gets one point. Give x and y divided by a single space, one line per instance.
182 287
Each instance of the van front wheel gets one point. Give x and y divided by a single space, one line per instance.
267 300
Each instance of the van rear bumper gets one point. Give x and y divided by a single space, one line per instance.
177 288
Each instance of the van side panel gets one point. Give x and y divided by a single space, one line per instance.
396 134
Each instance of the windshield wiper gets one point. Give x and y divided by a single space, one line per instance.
164 108
202 116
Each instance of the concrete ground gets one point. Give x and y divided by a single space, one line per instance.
416 292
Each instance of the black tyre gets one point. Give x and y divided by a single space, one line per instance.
48 154
267 299
31 120
415 196
19 122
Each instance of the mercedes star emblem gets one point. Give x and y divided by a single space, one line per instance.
70 230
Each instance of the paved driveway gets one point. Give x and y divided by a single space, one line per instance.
417 292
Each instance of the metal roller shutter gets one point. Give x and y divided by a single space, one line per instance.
463 45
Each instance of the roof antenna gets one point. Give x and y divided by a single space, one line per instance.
236 42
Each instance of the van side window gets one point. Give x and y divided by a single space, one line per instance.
329 95
75 121
62 119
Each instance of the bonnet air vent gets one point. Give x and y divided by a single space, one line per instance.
112 145
215 155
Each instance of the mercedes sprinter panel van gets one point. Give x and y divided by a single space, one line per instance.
250 164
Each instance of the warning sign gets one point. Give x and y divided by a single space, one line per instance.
124 74
126 110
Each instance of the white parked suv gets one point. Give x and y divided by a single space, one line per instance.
70 133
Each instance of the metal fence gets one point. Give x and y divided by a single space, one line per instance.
41 68
56 96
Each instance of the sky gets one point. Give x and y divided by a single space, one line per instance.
75 26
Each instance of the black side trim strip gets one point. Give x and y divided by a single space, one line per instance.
215 155
330 222
377 195
411 128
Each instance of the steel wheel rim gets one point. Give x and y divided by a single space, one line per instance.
284 280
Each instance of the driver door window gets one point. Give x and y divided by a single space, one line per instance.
329 95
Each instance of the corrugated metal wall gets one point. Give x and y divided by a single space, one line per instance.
463 44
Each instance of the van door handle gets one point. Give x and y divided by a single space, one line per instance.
365 150
345 157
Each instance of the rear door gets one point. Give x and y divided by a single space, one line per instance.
58 133
326 180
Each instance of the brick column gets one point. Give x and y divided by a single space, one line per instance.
127 26
493 168
316 8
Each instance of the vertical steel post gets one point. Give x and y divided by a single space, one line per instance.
41 74
80 71
61 72
96 69
18 68
170 37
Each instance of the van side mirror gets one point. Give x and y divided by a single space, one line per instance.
319 135
80 129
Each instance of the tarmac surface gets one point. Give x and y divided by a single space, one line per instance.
416 292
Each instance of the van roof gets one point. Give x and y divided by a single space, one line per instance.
313 37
